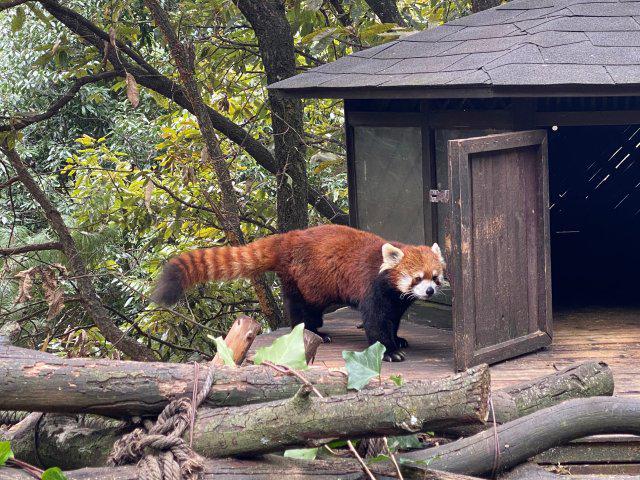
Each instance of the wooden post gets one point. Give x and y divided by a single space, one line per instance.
239 339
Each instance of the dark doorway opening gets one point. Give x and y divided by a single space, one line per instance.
594 186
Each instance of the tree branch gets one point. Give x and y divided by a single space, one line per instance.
88 295
11 4
19 122
174 92
387 11
36 247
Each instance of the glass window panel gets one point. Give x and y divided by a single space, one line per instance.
390 191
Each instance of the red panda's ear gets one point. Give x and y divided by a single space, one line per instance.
391 256
435 248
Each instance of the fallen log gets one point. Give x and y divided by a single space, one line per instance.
591 379
269 467
273 426
37 381
531 471
308 420
525 437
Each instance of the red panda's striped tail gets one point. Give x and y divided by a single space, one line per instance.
217 263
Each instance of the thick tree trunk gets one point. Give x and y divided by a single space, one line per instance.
387 11
531 471
591 379
525 437
269 467
480 5
228 212
37 381
153 80
88 296
308 420
268 427
275 41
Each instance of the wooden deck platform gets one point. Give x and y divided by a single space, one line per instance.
599 334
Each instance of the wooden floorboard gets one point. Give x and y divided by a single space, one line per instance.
603 334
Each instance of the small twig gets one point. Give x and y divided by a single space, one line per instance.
288 371
35 472
393 457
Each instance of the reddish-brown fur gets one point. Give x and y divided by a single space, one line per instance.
329 263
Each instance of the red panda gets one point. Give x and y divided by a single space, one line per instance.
319 267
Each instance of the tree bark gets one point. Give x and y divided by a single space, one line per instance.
591 379
229 215
152 79
274 426
275 41
531 471
308 420
38 381
88 296
480 5
387 11
269 467
239 338
525 437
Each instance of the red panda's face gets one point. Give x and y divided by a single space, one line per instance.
416 271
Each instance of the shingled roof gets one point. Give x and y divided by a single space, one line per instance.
524 47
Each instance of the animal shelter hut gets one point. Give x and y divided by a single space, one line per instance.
511 137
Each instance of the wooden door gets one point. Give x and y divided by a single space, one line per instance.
499 246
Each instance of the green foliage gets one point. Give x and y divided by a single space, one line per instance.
397 379
131 184
224 351
302 453
363 366
287 350
404 442
53 474
5 452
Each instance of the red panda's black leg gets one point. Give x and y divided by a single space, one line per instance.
299 311
380 318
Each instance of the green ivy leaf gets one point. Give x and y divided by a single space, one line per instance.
224 351
5 452
397 379
53 474
363 366
405 442
287 350
302 453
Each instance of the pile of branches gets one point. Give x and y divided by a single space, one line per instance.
252 413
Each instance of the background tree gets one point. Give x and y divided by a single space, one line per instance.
108 129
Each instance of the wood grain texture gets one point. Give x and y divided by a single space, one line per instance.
581 335
500 246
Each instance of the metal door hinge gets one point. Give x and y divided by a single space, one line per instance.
438 196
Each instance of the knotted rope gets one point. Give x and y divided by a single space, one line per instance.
159 449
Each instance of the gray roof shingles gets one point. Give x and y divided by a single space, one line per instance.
518 44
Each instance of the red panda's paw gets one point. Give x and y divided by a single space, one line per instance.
397 356
402 342
325 338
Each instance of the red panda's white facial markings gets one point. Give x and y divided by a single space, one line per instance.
418 273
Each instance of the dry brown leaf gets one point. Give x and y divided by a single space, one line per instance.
132 90
25 285
53 293
148 191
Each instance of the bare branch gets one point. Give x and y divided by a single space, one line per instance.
18 122
88 295
174 92
11 4
36 247
9 182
